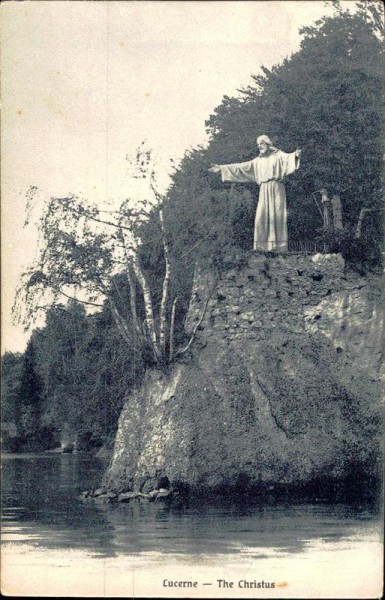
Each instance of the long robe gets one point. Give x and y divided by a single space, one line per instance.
270 231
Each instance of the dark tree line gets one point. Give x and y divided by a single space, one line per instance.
327 98
70 383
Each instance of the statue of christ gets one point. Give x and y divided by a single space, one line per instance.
267 170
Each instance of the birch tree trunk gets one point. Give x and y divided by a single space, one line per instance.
150 321
165 288
132 288
326 219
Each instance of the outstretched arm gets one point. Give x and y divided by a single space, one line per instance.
236 172
289 163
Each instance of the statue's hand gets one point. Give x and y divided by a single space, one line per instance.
214 169
298 152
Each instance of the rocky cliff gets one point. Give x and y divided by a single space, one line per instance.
281 388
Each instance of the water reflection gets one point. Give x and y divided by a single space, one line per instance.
39 502
40 506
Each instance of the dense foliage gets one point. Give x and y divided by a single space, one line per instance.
10 377
70 384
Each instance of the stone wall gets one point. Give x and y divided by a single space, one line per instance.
255 295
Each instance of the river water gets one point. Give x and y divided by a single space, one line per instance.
54 544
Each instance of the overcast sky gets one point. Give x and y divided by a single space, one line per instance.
83 83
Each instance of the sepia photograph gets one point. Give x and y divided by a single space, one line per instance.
192 369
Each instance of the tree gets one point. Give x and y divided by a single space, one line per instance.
32 434
86 372
59 361
11 363
30 390
85 254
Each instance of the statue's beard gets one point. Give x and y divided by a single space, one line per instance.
265 152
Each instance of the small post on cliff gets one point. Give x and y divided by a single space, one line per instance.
327 230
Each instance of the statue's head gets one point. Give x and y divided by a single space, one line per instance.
265 145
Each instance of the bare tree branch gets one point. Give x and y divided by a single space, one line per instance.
150 321
119 321
77 299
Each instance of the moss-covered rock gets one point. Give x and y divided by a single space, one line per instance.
271 395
